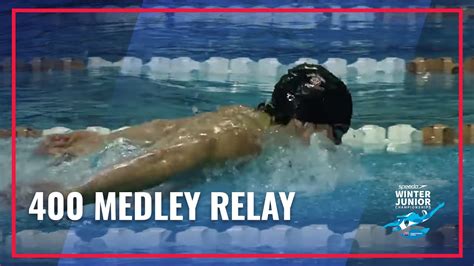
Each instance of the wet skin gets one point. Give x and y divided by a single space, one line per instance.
175 146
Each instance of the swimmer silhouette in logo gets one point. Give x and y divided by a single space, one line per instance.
411 219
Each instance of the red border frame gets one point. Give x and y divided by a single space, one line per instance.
458 11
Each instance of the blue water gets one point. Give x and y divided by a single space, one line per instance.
106 99
234 35
148 35
343 189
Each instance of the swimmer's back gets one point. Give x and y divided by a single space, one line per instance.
225 125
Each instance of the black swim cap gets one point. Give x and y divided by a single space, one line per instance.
310 93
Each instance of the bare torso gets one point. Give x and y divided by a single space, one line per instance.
235 117
175 146
232 127
234 130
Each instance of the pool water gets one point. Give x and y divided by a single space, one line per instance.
342 188
109 99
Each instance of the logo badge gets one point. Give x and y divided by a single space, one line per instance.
404 222
413 197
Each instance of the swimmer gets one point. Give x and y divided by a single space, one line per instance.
307 99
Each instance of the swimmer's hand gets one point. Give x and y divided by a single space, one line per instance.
72 144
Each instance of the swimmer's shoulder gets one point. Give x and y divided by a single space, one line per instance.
251 117
235 109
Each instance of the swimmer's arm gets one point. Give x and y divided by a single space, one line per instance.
149 170
159 165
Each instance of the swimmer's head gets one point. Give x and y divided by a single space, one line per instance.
310 93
